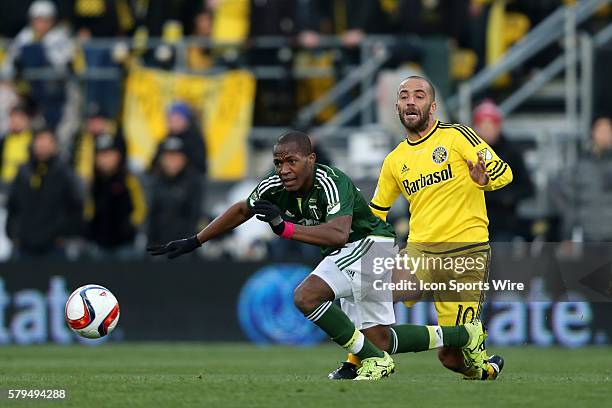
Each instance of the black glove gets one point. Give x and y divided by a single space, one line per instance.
268 212
399 242
175 248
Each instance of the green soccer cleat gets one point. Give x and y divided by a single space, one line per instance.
474 354
474 350
375 368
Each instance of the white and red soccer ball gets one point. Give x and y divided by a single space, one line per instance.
92 311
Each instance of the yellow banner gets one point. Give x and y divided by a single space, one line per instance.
223 104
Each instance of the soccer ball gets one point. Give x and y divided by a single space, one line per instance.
92 311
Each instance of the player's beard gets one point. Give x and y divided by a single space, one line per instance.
419 125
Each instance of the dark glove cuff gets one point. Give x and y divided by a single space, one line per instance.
278 229
194 241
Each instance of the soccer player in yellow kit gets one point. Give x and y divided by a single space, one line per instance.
443 171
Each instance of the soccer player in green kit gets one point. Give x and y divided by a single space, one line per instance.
320 205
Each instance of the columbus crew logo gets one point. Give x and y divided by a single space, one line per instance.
486 154
439 155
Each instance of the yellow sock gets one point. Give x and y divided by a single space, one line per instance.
353 359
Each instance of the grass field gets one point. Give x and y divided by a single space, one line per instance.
239 375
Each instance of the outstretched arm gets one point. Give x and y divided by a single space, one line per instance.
234 216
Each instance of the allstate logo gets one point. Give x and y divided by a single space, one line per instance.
266 311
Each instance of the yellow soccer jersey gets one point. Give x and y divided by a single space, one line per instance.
446 205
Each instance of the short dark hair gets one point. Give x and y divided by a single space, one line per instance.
301 140
19 109
431 87
44 129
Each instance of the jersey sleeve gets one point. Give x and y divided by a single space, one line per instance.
386 191
470 145
340 196
263 190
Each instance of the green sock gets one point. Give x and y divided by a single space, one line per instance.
409 337
333 321
455 336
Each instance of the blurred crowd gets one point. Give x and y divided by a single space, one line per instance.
64 157
101 39
93 200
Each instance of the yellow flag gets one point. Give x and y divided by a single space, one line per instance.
222 103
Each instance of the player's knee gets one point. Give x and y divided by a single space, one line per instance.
450 358
305 298
311 293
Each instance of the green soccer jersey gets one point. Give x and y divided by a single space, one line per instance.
332 195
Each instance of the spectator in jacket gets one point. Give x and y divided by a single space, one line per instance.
116 206
98 19
348 20
42 44
176 195
583 193
504 223
424 18
182 125
97 124
45 204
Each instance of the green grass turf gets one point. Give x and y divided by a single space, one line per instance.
240 375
